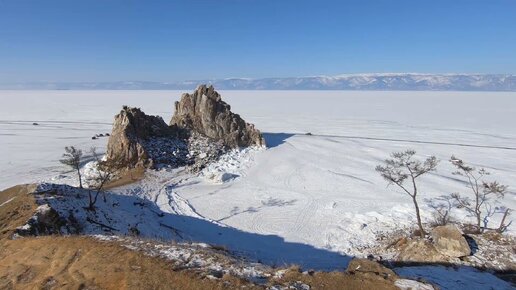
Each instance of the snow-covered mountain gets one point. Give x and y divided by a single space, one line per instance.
380 81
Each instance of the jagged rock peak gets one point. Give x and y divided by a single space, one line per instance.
204 112
136 123
131 133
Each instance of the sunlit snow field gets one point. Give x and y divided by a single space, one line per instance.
320 190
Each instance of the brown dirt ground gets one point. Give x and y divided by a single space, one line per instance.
84 263
17 211
370 276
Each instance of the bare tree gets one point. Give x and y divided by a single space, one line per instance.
73 157
105 171
503 226
481 205
442 206
403 166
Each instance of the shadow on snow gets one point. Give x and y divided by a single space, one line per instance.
122 212
275 139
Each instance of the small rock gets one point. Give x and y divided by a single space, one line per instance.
216 273
365 266
298 285
223 177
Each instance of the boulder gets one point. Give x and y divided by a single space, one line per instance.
419 250
133 134
204 112
449 241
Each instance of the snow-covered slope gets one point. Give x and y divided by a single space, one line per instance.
380 81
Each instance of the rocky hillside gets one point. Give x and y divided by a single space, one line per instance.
77 261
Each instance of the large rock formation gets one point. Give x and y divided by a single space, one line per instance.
202 128
138 139
204 112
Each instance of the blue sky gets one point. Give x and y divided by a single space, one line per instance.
111 40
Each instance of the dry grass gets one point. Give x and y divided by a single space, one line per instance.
75 262
18 210
84 263
127 177
338 280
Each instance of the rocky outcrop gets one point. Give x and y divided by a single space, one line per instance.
449 241
204 112
46 221
202 128
138 139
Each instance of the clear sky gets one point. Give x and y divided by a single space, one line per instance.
111 40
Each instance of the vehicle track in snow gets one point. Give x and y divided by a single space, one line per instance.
160 189
414 141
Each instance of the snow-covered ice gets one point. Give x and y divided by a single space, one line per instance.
319 190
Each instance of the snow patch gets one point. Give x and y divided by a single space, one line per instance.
7 201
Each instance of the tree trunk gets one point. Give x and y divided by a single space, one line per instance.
418 216
479 227
91 204
502 226
80 179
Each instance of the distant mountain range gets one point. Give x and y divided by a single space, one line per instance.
381 81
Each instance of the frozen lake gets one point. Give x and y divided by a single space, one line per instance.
73 117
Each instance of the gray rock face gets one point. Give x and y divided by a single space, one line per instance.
448 240
204 112
134 136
